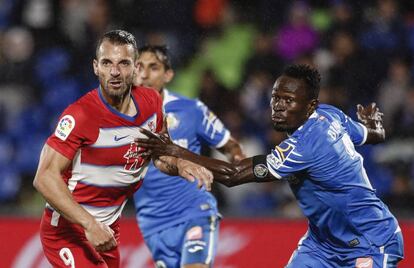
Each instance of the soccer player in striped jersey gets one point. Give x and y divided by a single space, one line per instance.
179 222
91 164
349 226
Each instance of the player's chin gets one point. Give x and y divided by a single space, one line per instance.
278 126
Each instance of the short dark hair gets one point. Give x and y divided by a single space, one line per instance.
160 51
118 37
309 75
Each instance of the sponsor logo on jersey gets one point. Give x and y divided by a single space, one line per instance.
172 121
118 138
364 262
65 127
160 264
195 233
195 249
133 157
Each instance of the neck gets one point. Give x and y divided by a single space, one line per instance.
162 93
119 103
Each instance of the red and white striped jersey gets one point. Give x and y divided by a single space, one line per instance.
106 164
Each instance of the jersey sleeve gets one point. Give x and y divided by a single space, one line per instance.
357 131
210 128
287 158
72 131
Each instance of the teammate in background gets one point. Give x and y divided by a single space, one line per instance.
349 226
91 164
179 222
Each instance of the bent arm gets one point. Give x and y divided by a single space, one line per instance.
48 181
232 150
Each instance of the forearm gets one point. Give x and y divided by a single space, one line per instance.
244 174
376 132
214 165
57 194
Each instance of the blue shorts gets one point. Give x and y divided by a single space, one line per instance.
193 241
386 256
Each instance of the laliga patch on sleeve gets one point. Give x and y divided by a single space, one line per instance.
65 127
364 263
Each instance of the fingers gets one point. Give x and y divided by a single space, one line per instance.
151 134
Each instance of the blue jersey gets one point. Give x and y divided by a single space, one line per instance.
164 201
327 176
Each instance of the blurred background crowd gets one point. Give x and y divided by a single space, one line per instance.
227 53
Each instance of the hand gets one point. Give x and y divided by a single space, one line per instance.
159 145
101 236
369 115
191 171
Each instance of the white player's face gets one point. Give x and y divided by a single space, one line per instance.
115 67
152 72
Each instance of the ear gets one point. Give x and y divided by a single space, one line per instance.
168 76
313 104
95 67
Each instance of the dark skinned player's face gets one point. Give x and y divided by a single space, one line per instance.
290 104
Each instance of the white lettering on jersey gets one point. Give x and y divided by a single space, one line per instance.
65 127
334 130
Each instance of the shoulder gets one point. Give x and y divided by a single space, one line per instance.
172 99
330 111
145 93
85 107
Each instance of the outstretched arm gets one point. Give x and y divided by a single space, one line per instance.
225 173
371 117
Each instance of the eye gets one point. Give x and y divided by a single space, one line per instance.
289 100
125 63
106 63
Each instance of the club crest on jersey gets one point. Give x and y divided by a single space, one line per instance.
172 121
65 127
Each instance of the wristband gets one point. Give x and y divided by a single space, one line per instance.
260 169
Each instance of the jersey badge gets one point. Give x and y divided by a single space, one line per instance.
65 127
364 263
195 233
284 150
172 121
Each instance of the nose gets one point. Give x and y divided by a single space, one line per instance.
143 73
115 71
279 105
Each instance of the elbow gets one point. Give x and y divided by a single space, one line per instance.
38 183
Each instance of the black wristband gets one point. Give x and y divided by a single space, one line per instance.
259 167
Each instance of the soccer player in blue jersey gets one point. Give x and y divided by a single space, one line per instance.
349 226
179 222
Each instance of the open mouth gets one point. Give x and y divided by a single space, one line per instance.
115 84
